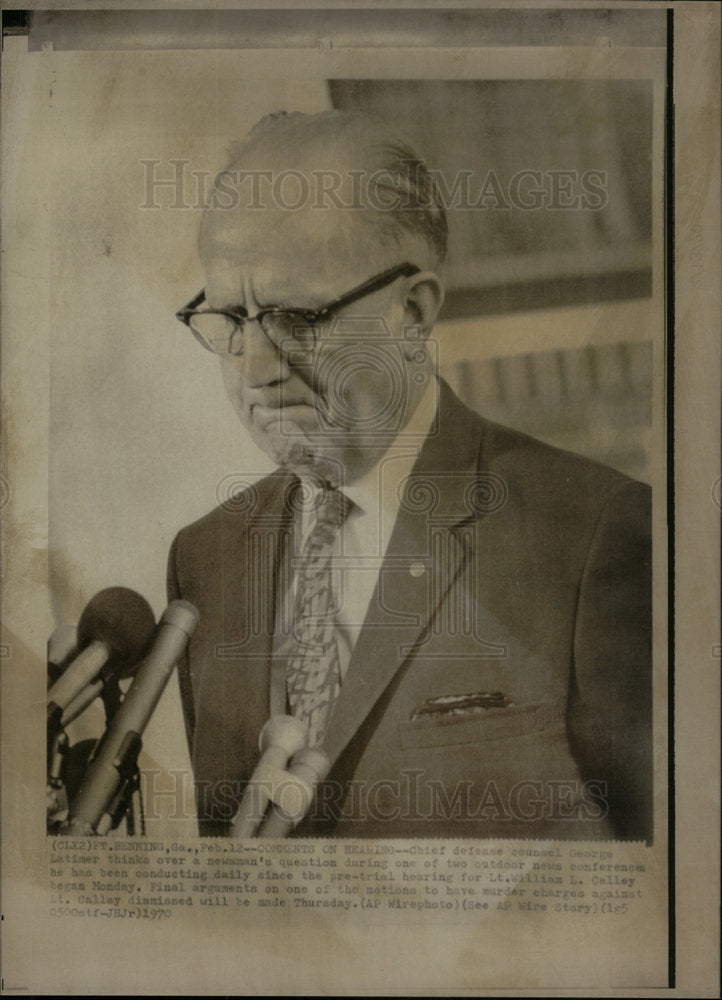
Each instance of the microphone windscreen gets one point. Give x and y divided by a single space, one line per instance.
124 621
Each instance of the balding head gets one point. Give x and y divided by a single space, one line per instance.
350 166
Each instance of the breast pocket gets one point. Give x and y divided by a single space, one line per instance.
489 725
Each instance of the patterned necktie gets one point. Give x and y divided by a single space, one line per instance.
313 674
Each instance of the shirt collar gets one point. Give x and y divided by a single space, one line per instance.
376 492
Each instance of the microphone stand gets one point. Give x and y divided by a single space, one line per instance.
123 803
57 803
59 754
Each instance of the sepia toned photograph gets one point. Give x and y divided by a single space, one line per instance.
339 353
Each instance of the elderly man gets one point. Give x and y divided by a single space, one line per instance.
459 614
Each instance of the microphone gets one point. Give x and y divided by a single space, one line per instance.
114 632
309 766
86 697
281 737
62 647
115 758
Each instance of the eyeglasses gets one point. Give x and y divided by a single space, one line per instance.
222 330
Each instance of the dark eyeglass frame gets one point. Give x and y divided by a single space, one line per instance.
310 317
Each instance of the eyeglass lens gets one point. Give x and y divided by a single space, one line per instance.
224 335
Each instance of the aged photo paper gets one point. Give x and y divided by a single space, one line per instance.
496 789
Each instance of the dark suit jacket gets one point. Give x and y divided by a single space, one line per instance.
516 573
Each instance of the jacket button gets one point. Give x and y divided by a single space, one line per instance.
417 569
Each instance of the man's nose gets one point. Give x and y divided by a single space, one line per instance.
263 363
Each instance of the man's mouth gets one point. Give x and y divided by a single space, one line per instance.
295 415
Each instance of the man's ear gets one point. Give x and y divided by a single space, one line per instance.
424 299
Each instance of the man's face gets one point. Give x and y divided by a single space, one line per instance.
334 411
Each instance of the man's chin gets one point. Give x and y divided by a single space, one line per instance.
299 454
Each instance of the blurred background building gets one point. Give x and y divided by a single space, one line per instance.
549 189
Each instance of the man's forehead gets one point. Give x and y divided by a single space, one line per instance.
283 251
244 230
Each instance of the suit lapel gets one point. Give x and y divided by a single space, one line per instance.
424 557
233 702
